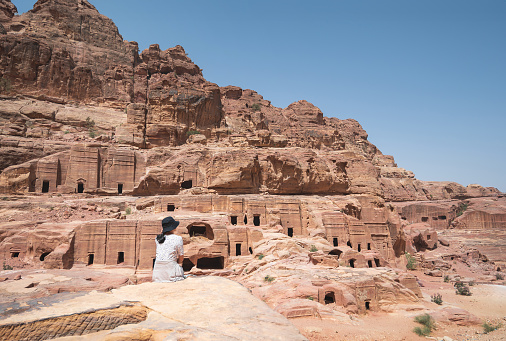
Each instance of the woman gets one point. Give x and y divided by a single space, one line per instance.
169 252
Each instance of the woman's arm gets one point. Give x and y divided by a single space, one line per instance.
180 259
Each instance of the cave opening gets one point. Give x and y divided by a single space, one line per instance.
377 262
45 186
14 254
330 297
352 263
43 256
233 220
335 241
290 232
91 258
349 244
120 188
187 184
210 263
238 249
425 219
80 187
369 263
336 252
187 264
367 305
368 246
171 207
251 252
359 247
121 257
256 220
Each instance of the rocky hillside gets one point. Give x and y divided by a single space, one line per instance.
99 141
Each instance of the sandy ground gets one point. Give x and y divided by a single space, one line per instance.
488 303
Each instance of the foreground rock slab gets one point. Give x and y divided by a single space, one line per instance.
198 308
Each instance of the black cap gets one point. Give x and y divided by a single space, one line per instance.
169 224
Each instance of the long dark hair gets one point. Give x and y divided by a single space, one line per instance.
160 238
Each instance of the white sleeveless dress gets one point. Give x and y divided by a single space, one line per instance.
166 267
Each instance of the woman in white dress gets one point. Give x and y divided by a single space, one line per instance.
169 253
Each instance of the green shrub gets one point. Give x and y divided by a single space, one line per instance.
462 289
89 123
310 298
488 327
437 298
446 279
499 277
7 267
427 325
193 132
462 208
422 331
313 248
256 107
269 278
411 264
260 256
128 210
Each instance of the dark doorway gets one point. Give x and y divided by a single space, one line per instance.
210 263
290 232
187 264
425 219
369 263
45 186
352 263
330 298
43 256
121 257
367 305
187 184
335 241
14 254
171 207
245 220
256 220
80 187
154 261
197 231
237 249
336 252
251 252
349 244
233 220
359 247
368 246
91 258
377 262
120 188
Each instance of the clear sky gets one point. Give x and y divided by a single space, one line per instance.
426 79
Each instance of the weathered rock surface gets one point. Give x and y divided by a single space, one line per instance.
174 310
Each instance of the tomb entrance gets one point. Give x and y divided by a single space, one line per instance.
330 297
210 263
45 186
200 230
187 264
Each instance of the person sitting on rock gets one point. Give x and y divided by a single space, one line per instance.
169 253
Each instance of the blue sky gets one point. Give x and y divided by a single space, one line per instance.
426 79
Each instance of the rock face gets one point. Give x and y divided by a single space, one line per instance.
155 310
98 143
